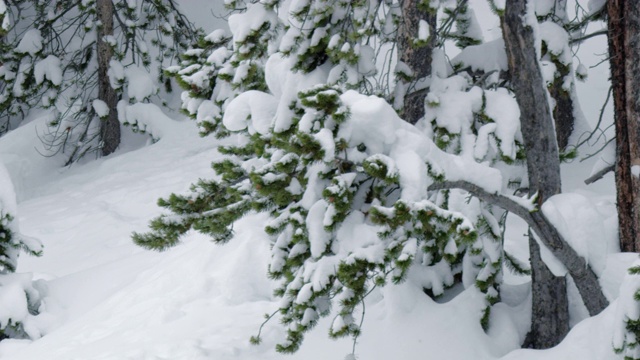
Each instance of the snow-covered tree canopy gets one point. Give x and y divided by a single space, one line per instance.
19 295
49 61
311 91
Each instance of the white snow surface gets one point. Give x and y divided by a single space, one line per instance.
556 39
31 42
577 218
100 107
253 109
423 31
7 193
50 69
596 5
140 85
488 56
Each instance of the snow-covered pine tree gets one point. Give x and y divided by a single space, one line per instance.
20 296
361 178
199 75
219 67
56 61
327 159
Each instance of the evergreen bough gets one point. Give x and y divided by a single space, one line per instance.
24 294
277 173
627 330
314 182
11 245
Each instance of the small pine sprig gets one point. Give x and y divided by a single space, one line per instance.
199 73
628 332
211 208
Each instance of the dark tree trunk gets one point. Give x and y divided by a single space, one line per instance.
418 59
545 287
543 164
563 111
624 54
109 126
549 308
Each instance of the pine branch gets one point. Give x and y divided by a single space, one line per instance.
494 199
585 279
515 265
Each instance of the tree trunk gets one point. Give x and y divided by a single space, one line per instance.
563 112
624 55
543 164
109 126
549 307
418 59
543 335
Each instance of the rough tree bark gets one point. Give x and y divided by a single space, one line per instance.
543 163
545 335
563 112
418 59
109 126
550 323
624 55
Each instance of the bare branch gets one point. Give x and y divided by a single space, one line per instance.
599 175
589 36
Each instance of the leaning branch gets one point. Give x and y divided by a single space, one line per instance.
599 175
585 279
482 194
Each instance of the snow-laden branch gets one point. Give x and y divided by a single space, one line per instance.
585 279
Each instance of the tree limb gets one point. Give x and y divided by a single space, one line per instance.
588 36
585 279
599 175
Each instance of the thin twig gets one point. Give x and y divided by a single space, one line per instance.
589 36
599 175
